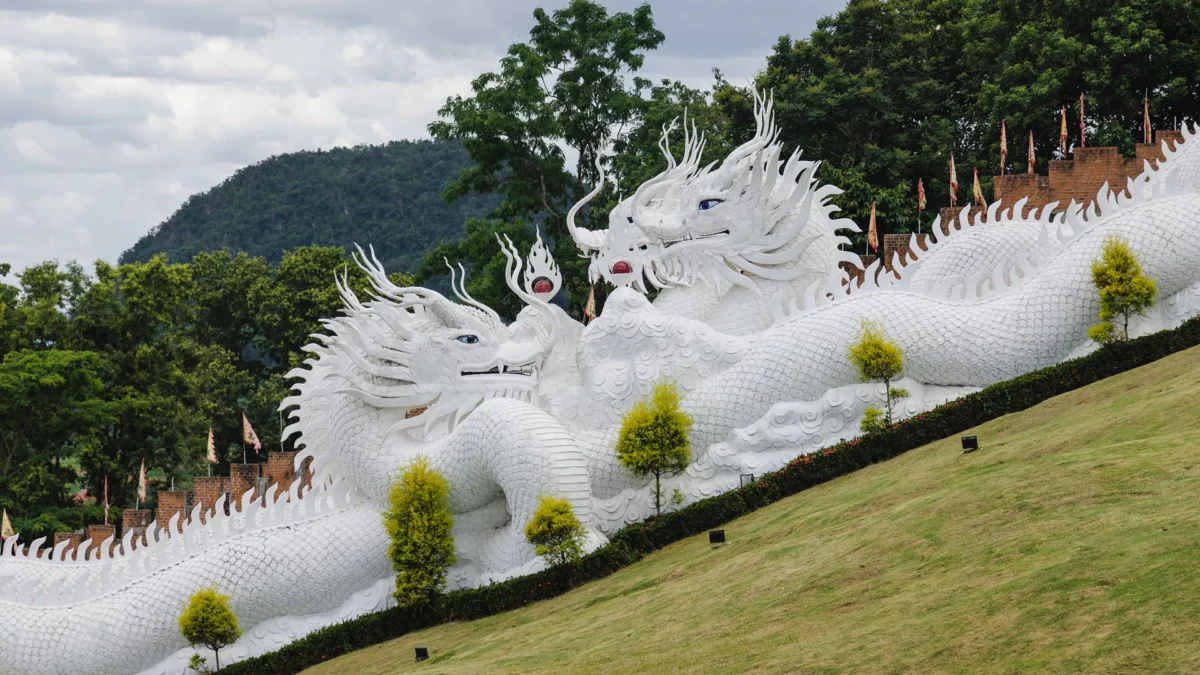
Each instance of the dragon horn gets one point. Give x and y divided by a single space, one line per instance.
586 240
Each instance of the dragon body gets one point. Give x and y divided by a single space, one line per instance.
753 323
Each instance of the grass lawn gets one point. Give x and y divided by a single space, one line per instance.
1067 543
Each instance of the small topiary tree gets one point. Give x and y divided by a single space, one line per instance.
556 531
1124 292
207 620
654 438
419 523
878 359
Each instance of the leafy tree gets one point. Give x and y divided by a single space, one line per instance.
1124 291
51 404
207 620
566 86
878 359
419 523
882 92
654 438
555 531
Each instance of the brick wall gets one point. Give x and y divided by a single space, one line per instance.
856 273
98 534
243 478
208 491
171 502
280 469
73 539
898 243
1082 176
136 521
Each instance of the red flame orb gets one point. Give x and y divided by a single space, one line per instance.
622 267
542 286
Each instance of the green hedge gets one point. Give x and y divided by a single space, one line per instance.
635 541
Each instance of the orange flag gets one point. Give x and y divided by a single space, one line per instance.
6 529
1082 143
1062 132
1146 117
589 310
977 192
212 449
142 483
953 182
1032 160
872 237
248 434
920 195
1003 148
106 500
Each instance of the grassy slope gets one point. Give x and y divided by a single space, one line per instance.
1068 544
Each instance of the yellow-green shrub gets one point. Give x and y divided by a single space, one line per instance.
207 620
654 438
555 531
878 359
1124 292
419 523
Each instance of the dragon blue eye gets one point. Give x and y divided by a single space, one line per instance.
709 203
467 339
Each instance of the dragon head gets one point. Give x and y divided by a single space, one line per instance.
416 352
749 216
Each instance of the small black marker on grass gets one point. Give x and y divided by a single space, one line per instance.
970 444
422 654
716 538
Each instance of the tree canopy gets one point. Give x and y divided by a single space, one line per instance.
883 91
98 373
567 85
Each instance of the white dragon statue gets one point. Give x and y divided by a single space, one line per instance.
753 322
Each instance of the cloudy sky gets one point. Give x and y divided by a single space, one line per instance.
112 112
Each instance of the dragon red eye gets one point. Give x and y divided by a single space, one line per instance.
622 267
542 286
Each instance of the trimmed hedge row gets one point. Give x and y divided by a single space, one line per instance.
637 540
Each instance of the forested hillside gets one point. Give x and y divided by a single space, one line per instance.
389 196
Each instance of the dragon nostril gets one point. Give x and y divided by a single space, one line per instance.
622 267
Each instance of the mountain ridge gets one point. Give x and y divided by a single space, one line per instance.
387 196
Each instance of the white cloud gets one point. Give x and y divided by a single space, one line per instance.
113 113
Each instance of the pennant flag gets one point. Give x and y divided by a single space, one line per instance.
920 195
589 310
1082 143
1003 148
141 494
212 448
248 435
1062 132
1032 160
872 237
953 182
977 192
106 500
6 531
1146 117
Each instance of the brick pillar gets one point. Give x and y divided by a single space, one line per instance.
171 502
98 533
136 521
208 491
242 478
898 243
73 539
280 469
1013 186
